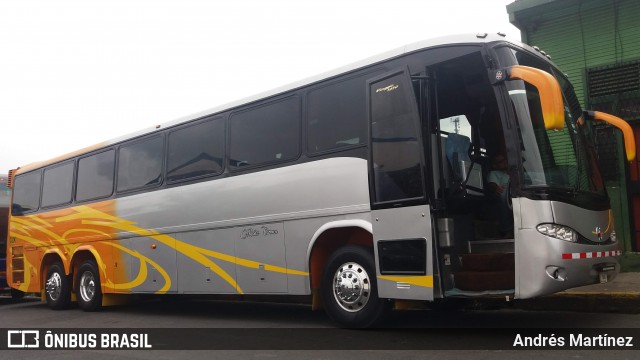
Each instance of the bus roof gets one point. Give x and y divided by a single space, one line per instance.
424 44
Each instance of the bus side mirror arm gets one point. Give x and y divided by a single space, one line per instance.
550 93
623 126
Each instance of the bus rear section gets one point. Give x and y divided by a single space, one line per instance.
4 221
5 203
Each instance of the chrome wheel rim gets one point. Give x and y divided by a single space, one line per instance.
351 287
54 286
87 286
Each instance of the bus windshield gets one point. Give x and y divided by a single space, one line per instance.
564 159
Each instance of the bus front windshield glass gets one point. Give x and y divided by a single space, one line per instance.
553 159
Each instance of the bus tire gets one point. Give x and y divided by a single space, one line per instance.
58 287
349 288
88 290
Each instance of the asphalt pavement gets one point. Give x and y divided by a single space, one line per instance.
622 295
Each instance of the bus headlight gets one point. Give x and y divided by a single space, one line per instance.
613 236
558 231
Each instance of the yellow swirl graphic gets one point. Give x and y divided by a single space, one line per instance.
93 227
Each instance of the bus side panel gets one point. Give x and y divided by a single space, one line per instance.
261 267
208 277
264 263
151 241
155 262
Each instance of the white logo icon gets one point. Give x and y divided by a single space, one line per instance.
23 339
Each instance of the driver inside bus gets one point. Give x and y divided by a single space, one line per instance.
497 186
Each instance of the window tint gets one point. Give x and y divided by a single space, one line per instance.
394 140
140 164
266 134
196 151
336 114
26 193
95 176
57 185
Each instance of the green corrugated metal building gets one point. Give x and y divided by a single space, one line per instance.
597 44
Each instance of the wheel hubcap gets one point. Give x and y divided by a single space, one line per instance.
87 286
351 287
54 286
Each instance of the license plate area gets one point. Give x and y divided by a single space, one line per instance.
603 277
603 271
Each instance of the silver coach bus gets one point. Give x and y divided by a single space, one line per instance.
455 167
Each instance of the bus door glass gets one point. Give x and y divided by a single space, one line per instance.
401 215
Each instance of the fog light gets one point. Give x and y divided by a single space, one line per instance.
557 273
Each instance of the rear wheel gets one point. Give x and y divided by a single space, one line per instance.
58 287
349 288
88 291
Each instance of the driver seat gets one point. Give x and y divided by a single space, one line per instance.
467 173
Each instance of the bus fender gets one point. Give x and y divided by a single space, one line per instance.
64 258
363 224
96 256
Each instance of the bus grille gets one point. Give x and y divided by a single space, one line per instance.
17 264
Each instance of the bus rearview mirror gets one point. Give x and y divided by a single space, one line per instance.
625 128
548 88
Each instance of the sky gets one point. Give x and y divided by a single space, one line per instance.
74 73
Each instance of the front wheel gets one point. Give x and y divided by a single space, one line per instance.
58 287
88 291
349 288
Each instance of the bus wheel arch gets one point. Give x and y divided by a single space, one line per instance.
329 239
49 259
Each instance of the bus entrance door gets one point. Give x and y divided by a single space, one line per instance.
401 215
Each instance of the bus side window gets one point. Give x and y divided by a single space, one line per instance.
25 199
196 151
95 176
342 124
265 134
58 184
140 164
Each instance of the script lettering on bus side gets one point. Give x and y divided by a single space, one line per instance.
252 232
388 88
